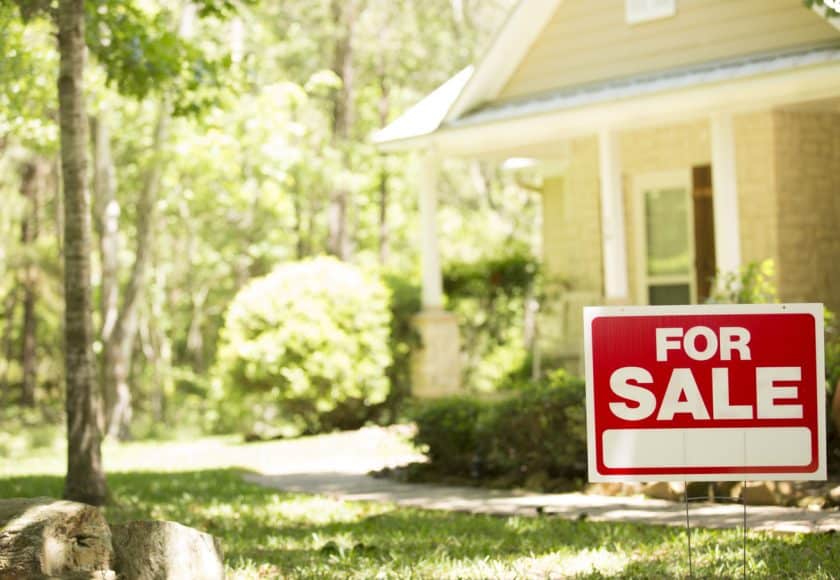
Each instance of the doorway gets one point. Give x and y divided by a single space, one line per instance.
675 236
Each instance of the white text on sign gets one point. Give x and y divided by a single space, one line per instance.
776 388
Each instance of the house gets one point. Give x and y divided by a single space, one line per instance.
674 138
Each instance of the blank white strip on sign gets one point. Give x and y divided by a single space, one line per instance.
754 447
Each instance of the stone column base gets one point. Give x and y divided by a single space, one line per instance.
436 365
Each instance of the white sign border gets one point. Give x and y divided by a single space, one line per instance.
590 313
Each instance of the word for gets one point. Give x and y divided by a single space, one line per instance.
776 388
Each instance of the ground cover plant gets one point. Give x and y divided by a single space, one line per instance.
271 534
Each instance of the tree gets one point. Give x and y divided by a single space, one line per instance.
32 182
85 479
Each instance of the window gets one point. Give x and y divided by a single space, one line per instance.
665 238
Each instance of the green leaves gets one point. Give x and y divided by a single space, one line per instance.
309 339
142 52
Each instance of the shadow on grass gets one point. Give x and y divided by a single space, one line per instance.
265 531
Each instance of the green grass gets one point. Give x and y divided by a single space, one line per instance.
269 534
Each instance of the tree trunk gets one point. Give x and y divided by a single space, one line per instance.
107 212
10 305
344 17
32 183
85 476
384 112
119 341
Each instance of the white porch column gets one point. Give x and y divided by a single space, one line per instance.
613 240
436 364
429 170
725 190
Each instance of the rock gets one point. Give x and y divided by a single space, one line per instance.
45 537
669 490
812 502
757 493
604 488
165 551
834 495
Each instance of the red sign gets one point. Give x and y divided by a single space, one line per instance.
705 392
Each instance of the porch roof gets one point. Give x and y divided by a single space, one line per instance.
426 123
706 74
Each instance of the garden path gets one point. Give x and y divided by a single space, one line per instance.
337 465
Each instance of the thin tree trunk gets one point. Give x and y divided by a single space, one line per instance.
85 479
32 183
344 16
384 176
107 212
120 346
10 305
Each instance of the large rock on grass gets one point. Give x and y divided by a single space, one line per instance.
49 538
152 550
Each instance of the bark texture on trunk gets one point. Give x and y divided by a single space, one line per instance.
33 176
85 476
47 538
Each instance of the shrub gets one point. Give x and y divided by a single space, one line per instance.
489 297
405 304
541 430
446 430
305 348
538 431
753 284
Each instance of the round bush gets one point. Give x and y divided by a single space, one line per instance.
305 348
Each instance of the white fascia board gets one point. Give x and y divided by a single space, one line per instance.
748 94
823 11
522 28
426 116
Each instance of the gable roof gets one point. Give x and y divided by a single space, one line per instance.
473 86
467 99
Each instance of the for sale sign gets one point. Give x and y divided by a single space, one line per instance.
705 392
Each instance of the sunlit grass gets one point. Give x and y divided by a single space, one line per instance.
270 534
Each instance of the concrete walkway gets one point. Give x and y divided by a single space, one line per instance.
335 472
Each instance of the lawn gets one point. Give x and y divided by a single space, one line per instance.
270 534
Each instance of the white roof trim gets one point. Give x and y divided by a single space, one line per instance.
822 10
498 138
648 84
426 116
509 47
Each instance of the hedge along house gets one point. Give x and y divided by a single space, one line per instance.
675 138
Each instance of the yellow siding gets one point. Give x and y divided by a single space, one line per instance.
571 253
673 147
808 181
788 197
571 220
756 180
588 41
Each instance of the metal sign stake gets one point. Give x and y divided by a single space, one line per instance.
742 500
